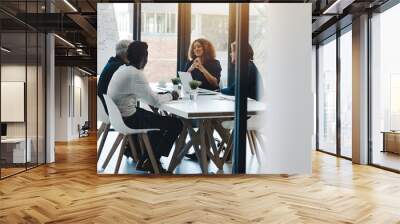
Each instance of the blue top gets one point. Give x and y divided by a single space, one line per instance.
255 86
105 77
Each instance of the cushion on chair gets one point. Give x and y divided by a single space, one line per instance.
254 123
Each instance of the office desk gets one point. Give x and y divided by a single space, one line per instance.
391 141
209 111
13 150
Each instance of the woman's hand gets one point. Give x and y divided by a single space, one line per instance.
197 64
191 68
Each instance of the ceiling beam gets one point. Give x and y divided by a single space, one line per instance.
82 61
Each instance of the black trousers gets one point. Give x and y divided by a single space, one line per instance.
161 141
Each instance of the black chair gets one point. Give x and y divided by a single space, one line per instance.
84 130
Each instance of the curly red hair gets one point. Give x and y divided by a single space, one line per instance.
208 48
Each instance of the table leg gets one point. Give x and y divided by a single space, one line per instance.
216 153
204 163
224 133
228 148
178 147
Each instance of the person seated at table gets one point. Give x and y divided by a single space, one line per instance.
202 64
255 86
109 69
127 86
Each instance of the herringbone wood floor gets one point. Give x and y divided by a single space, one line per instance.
70 191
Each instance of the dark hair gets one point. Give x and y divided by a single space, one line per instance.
137 54
251 52
208 48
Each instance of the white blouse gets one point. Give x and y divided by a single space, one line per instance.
129 84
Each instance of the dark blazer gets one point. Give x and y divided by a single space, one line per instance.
105 77
213 67
255 87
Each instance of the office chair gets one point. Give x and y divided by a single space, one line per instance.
104 127
254 125
84 129
124 136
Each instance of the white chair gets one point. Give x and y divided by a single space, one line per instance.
104 127
254 124
124 136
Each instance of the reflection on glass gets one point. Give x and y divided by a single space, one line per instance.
115 22
14 153
159 29
212 24
327 97
386 88
346 93
257 34
41 99
31 98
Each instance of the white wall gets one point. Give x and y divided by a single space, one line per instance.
288 91
67 115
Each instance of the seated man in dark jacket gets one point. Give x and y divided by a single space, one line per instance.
108 71
112 65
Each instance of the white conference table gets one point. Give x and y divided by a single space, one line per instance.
209 111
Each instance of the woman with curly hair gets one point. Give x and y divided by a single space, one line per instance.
202 64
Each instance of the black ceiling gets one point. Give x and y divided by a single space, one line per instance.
78 27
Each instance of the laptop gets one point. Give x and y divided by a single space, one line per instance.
186 77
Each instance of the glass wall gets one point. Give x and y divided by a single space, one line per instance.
22 94
159 28
115 22
257 34
327 96
212 23
385 87
346 94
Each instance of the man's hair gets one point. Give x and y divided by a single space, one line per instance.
137 53
122 47
251 52
208 50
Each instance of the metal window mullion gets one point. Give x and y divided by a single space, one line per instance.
231 38
37 91
317 97
241 88
338 96
26 87
44 71
137 9
184 34
370 90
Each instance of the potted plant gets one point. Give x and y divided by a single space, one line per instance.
176 82
194 84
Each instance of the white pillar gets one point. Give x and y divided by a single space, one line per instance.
360 90
50 99
289 120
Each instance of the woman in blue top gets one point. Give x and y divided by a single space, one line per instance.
255 86
202 65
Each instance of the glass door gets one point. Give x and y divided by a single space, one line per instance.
327 96
346 93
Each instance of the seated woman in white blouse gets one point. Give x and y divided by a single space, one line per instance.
127 86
